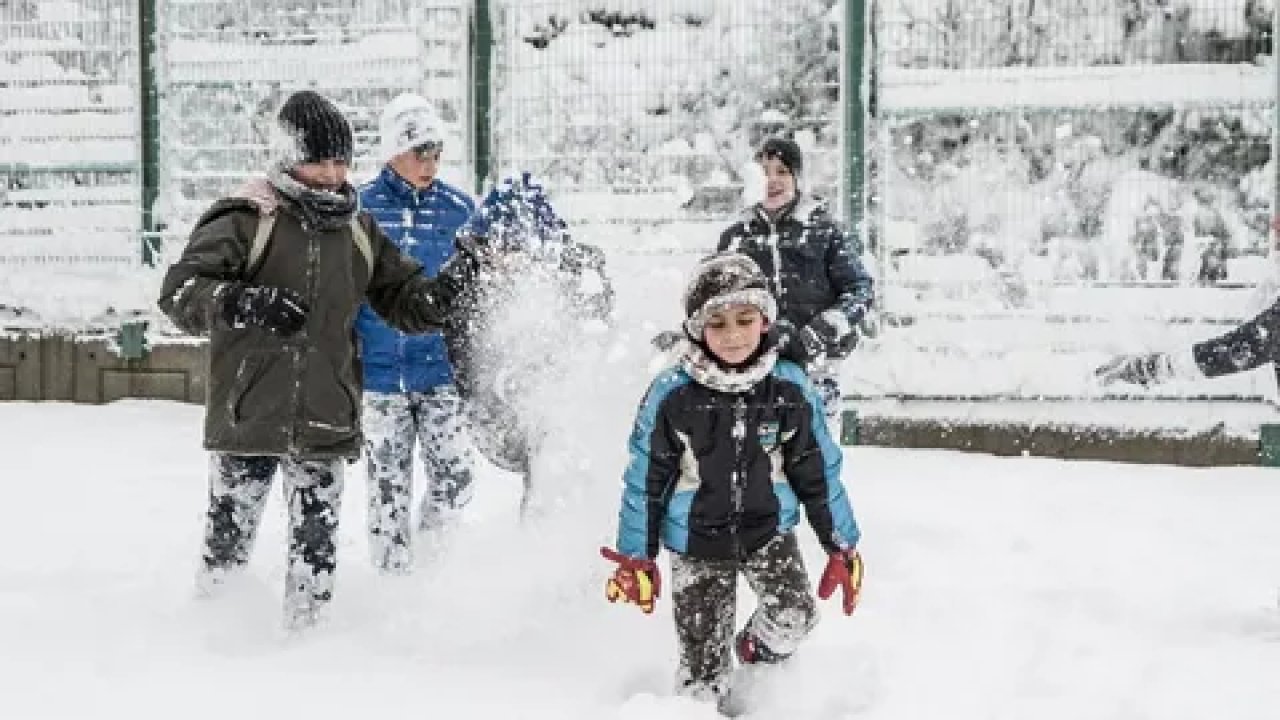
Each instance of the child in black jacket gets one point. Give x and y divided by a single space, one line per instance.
727 447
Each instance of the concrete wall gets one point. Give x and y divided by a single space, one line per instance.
1074 442
89 369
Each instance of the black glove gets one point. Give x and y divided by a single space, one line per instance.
666 339
461 269
278 310
1145 369
802 346
832 331
476 247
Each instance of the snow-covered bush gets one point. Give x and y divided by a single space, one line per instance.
1138 195
961 34
594 94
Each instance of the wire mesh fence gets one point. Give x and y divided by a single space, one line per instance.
1077 176
68 134
649 112
976 34
225 68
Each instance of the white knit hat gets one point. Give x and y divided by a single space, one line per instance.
408 121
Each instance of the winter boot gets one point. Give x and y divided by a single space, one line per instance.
751 651
212 580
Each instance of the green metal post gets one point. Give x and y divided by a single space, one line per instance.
1269 445
148 108
131 340
854 130
849 427
482 58
1275 131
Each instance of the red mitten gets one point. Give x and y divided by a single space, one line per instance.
635 581
844 569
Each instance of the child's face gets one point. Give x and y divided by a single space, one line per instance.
779 184
734 333
322 175
418 166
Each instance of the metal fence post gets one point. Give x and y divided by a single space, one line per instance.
482 57
854 69
1275 139
148 112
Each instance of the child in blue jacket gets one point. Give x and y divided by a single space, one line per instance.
727 447
410 398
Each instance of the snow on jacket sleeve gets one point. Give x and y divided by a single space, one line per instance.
651 472
215 255
812 463
849 277
1255 343
402 294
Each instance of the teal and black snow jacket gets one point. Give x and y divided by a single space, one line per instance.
717 475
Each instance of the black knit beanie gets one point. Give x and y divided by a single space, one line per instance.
318 129
786 151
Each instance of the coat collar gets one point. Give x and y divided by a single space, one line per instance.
401 188
699 365
802 210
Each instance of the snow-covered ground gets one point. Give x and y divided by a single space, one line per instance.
996 589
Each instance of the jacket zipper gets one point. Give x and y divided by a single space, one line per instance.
296 348
407 241
771 242
737 488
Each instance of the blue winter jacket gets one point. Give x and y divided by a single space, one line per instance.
422 223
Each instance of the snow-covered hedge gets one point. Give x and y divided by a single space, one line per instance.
670 95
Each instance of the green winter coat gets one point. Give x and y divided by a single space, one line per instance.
296 396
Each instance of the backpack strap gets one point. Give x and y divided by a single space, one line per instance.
361 239
267 223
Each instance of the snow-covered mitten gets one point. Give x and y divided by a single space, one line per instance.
844 570
832 332
635 581
1145 369
278 310
795 344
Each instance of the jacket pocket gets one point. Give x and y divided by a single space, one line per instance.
332 402
251 393
804 265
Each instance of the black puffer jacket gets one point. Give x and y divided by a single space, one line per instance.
811 262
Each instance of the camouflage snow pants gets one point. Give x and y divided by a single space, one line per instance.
238 486
393 424
705 598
